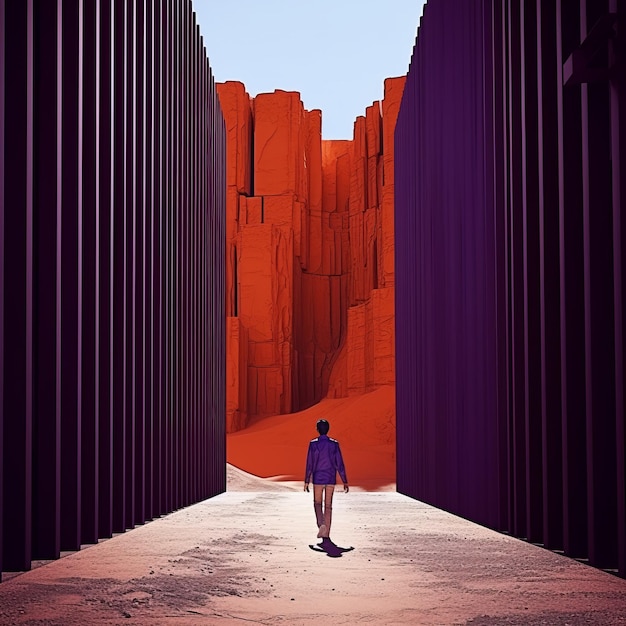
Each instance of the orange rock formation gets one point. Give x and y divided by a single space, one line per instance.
309 280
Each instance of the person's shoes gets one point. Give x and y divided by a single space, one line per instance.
322 531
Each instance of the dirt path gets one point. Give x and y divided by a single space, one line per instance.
244 557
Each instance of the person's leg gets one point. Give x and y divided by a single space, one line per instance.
329 490
317 504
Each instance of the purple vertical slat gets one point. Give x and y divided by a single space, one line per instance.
148 256
89 247
172 298
71 456
83 416
186 257
571 294
599 311
118 263
194 260
191 251
497 227
617 51
178 365
17 453
204 119
29 371
157 257
502 151
46 208
532 278
191 261
129 238
104 270
162 265
139 265
182 257
516 270
59 237
495 273
548 161
167 300
2 300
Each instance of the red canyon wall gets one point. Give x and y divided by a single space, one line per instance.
309 272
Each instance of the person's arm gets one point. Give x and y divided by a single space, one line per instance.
309 467
341 468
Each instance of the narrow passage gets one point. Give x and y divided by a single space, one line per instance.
243 557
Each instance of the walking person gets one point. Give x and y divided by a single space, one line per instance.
323 461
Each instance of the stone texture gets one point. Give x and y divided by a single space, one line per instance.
394 88
310 253
235 103
279 135
236 377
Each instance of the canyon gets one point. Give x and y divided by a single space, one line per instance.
309 255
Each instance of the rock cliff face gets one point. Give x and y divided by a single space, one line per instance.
309 273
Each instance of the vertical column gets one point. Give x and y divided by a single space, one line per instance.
104 270
158 23
617 52
531 270
164 279
548 122
201 158
193 261
495 18
204 147
168 434
47 130
184 257
571 298
129 239
18 223
516 271
148 254
88 260
171 298
70 271
177 363
139 263
193 440
599 310
2 205
118 261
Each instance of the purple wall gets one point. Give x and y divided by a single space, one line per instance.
112 182
510 350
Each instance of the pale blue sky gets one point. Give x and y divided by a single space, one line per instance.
336 53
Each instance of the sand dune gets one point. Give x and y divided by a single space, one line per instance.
275 447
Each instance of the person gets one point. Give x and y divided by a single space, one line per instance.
323 461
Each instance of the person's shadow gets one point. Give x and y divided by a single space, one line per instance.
331 549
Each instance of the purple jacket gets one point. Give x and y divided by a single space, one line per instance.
323 461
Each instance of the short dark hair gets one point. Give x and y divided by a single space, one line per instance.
322 427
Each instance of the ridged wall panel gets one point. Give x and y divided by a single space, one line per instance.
112 182
510 162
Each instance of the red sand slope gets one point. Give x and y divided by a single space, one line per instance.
364 425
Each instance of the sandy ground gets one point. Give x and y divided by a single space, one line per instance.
364 425
243 557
